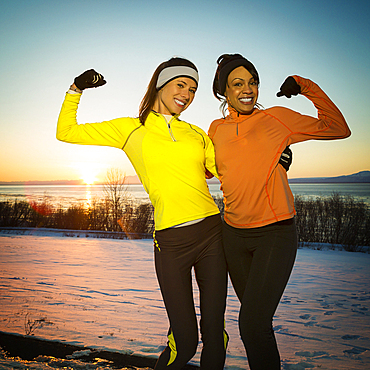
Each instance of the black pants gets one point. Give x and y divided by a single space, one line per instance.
177 251
260 261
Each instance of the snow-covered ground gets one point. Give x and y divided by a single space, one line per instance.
103 293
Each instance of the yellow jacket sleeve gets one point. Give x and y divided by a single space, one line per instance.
112 133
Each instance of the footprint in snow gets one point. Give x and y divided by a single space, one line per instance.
305 317
354 351
310 323
309 354
349 337
328 313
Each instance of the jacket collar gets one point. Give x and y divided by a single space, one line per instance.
176 116
236 116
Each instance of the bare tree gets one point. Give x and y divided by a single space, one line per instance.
116 195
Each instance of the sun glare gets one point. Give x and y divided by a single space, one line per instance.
88 172
88 175
88 178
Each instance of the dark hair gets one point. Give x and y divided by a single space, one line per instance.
226 64
148 101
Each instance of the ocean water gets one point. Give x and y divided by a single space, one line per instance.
69 194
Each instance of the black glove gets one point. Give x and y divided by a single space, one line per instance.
286 158
89 79
289 88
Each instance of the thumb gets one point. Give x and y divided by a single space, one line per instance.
279 94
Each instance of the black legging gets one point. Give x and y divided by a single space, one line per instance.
177 251
260 261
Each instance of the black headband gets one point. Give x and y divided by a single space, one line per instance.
226 69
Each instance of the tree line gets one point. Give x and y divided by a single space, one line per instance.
134 221
115 211
335 220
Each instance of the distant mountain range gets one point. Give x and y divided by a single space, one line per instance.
362 176
359 177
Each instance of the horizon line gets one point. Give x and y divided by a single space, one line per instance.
134 180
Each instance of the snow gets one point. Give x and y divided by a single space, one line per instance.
103 293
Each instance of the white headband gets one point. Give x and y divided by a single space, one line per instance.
170 73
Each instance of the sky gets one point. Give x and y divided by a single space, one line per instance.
46 44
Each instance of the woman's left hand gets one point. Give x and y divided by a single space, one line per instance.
289 88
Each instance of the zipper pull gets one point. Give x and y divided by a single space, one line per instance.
170 131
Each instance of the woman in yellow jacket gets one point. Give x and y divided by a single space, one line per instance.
259 232
171 158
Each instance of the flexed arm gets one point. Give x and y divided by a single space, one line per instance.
330 123
109 133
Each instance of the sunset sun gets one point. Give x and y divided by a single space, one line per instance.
89 178
88 174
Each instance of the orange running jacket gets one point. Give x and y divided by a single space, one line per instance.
248 148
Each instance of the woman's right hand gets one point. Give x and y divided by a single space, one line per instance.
89 79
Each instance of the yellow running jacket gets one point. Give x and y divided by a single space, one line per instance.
170 159
248 149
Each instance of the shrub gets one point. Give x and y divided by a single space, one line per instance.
335 220
137 220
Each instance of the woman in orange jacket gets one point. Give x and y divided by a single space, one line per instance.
259 232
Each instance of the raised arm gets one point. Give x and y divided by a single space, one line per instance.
109 133
330 123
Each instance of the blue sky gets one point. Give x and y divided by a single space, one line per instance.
45 44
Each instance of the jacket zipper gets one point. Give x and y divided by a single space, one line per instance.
237 127
169 129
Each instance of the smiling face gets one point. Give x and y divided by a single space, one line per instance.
175 96
241 90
